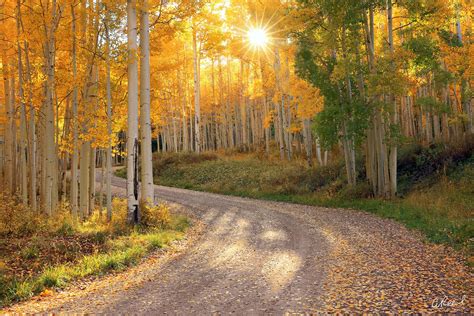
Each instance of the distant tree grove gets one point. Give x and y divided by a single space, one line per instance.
87 82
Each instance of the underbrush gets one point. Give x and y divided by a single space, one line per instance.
436 186
39 253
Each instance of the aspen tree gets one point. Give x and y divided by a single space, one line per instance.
147 189
394 114
31 134
75 135
108 155
197 93
132 131
49 146
279 98
9 128
23 120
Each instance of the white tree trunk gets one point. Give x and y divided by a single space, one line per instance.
23 132
132 133
75 138
8 148
84 180
49 146
108 168
32 134
147 188
197 95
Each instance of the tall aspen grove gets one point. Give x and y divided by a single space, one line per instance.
132 125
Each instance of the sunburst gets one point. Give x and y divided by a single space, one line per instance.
260 37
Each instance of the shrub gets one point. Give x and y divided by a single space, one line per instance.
30 252
319 177
163 160
155 216
118 224
18 220
417 163
361 190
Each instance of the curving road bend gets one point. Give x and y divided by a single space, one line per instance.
260 257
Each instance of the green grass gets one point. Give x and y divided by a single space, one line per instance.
437 200
121 251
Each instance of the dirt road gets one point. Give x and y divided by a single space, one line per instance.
260 257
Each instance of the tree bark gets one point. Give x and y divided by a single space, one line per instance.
132 133
75 135
108 167
197 94
147 188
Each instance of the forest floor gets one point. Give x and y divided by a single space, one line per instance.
41 254
254 257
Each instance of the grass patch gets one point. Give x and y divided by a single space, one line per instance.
58 253
125 251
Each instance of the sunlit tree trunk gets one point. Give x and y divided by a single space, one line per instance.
108 158
147 189
31 134
84 179
75 135
14 130
23 133
49 146
132 132
8 148
280 132
197 94
92 179
465 95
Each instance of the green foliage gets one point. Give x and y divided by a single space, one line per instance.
450 38
30 252
426 53
326 126
431 104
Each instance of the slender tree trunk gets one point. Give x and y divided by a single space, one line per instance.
84 177
23 120
92 166
132 132
394 114
108 168
147 188
75 135
32 134
9 128
277 68
465 96
308 142
50 155
197 95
